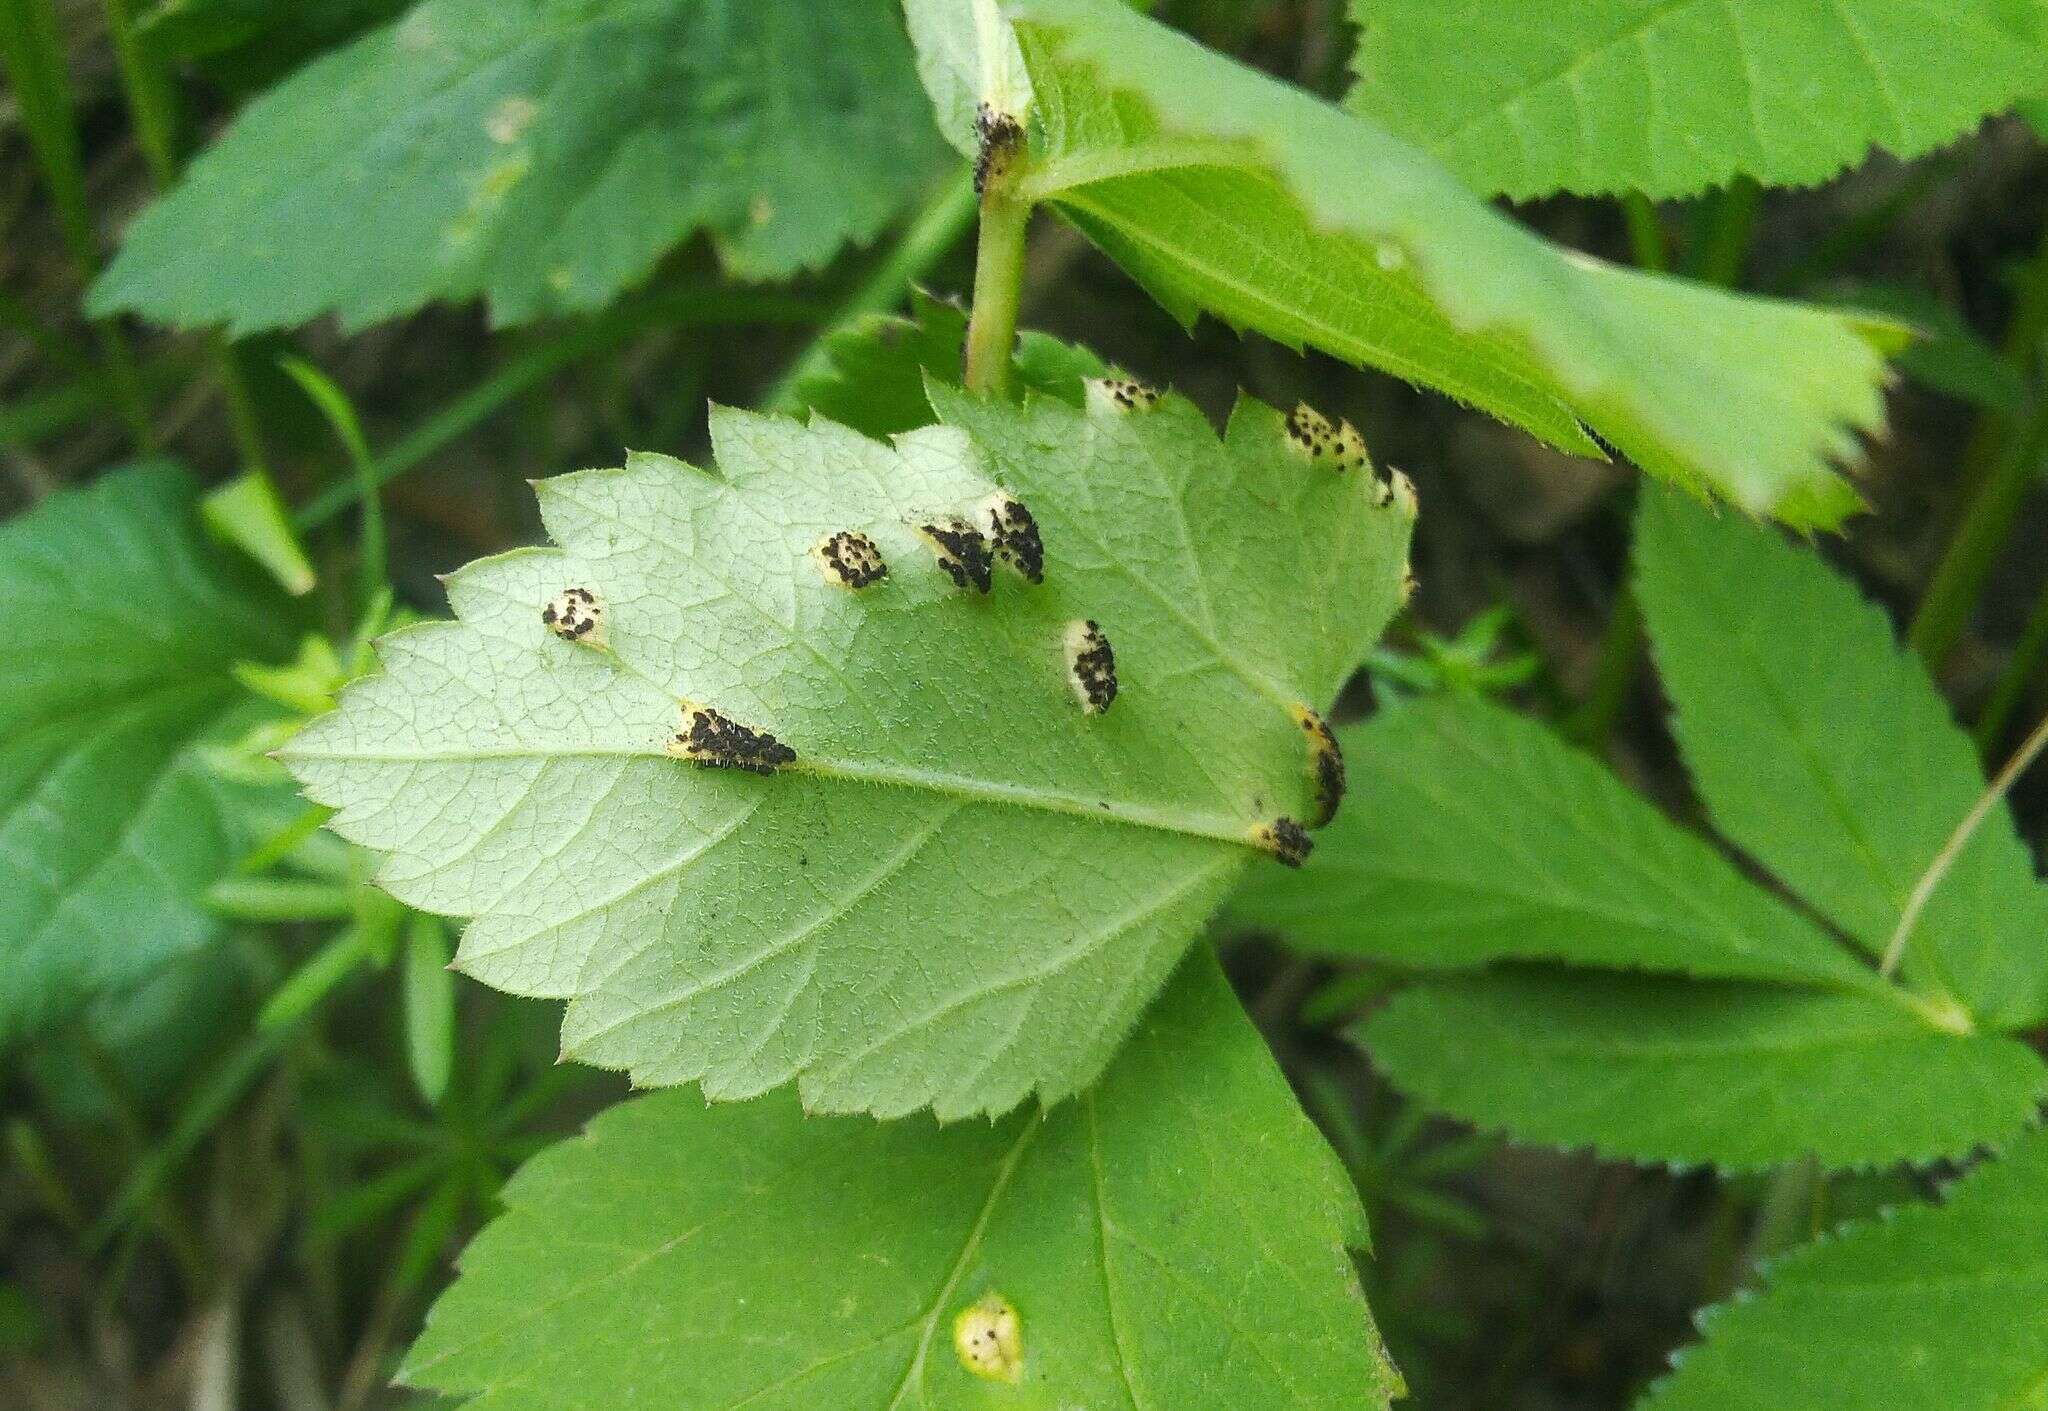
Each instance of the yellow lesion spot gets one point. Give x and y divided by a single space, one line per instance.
509 120
988 1337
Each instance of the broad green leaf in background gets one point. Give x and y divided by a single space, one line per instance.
542 153
1823 751
1174 1237
1227 192
963 888
1825 754
119 624
1489 839
1931 1306
1526 97
1690 1073
874 376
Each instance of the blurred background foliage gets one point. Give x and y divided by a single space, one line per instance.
240 1183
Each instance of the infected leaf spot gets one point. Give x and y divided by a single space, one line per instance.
1409 584
849 559
988 1337
1325 765
962 550
1335 444
717 741
1091 665
1286 839
576 615
1014 533
1121 394
999 137
508 121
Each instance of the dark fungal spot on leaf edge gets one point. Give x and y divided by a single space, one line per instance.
999 136
1286 839
1325 765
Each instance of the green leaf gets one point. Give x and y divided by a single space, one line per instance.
1225 191
962 888
1665 97
1946 353
1489 838
1691 1072
1823 751
1931 1306
544 153
119 624
874 376
746 1255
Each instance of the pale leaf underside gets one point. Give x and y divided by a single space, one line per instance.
964 888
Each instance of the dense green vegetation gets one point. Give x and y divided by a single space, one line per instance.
934 863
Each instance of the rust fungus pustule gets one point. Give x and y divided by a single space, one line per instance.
576 615
1091 665
988 1338
1325 765
1014 534
999 138
1121 394
715 740
849 559
1286 839
1337 444
961 549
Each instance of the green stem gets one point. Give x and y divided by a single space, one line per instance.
1720 248
2027 656
688 308
152 104
998 270
1951 594
1621 647
1646 240
1998 462
32 49
927 240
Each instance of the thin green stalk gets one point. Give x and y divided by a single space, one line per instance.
1720 246
153 110
1998 462
152 102
32 49
1646 241
371 574
1987 522
687 308
925 241
998 262
2027 655
1909 915
1614 672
